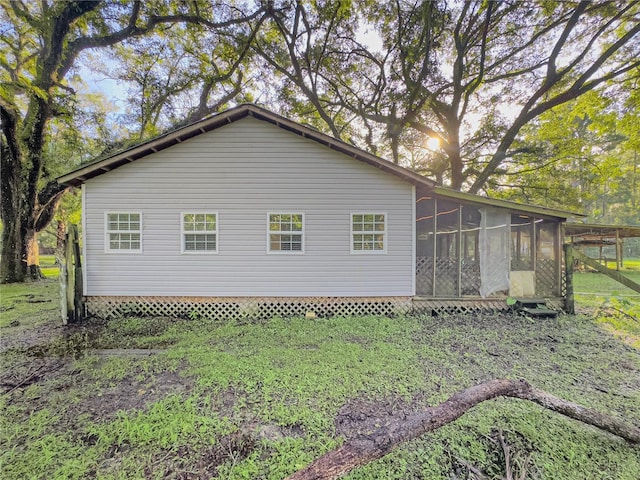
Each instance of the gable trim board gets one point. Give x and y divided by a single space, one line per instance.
101 166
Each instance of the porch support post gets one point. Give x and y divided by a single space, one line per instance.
414 240
435 246
557 249
534 245
459 248
618 250
569 302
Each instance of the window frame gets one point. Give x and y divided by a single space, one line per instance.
108 232
280 232
352 232
184 232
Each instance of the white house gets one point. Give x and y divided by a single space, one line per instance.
248 213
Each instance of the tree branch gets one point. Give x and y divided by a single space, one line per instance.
131 30
363 449
48 199
568 28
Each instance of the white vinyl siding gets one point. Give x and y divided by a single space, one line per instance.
243 172
286 233
199 232
123 232
368 233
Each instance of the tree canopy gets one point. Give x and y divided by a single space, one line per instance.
43 43
470 74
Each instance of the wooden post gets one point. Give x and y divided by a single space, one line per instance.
569 302
72 307
78 294
618 251
459 249
64 312
600 255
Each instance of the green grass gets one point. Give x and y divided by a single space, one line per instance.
30 304
593 284
614 306
594 289
245 400
25 305
261 399
48 266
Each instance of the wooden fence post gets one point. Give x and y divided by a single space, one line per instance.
569 301
71 295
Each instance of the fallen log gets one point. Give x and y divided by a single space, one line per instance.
363 449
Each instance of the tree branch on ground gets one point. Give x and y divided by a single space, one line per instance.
363 449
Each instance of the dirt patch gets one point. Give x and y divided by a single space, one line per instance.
361 416
187 463
132 394
31 337
56 375
26 373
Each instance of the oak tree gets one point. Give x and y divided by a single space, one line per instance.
469 74
42 44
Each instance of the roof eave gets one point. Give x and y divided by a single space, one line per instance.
494 202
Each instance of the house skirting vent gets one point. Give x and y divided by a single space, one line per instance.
236 308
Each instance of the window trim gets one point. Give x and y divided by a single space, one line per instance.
279 232
353 232
183 251
107 232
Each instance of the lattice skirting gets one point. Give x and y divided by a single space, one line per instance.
235 308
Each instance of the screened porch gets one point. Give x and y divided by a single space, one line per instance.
480 250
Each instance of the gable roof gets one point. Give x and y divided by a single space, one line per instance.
174 137
104 165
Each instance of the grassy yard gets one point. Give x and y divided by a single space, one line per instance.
48 266
591 288
242 400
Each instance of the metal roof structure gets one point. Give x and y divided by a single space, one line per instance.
591 230
496 202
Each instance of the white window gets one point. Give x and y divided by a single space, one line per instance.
286 233
200 232
368 233
123 232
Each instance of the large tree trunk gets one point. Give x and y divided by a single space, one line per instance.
13 264
33 256
20 252
366 448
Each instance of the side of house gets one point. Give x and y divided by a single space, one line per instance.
249 210
249 213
